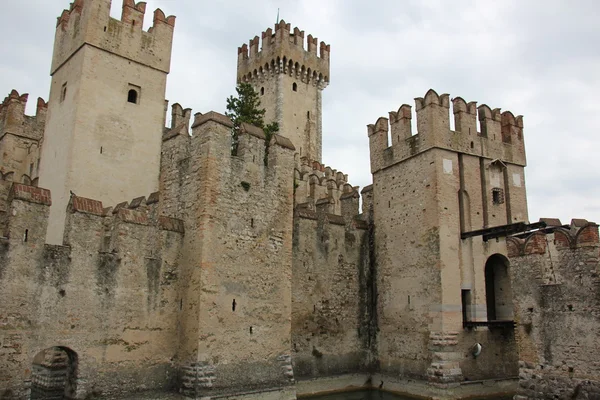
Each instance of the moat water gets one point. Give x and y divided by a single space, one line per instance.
376 395
360 395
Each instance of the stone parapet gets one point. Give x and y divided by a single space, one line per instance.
500 135
89 22
283 52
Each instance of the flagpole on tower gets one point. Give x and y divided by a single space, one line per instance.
276 22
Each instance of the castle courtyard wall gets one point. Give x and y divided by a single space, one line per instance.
331 315
555 286
108 295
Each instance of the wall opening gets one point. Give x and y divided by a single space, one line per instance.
26 235
262 91
54 374
308 115
132 96
233 304
466 300
295 87
497 196
63 92
498 293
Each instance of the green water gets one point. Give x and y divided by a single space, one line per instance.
376 395
362 395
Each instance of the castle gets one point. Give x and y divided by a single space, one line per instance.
137 257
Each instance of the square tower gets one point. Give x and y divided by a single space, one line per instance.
106 107
289 79
438 197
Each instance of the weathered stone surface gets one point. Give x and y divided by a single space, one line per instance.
557 309
244 275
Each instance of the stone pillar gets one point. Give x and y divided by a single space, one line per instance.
444 370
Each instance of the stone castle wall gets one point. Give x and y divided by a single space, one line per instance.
557 306
106 103
332 307
241 277
237 255
109 294
428 189
20 138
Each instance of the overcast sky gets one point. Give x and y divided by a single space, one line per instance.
537 58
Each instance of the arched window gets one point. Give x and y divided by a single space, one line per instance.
295 87
498 293
132 96
60 363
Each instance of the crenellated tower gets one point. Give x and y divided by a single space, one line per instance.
106 105
444 202
20 138
289 78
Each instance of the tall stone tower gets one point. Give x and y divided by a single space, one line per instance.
289 79
106 106
444 202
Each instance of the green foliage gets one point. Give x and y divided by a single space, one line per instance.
246 108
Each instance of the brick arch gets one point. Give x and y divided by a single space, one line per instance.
54 374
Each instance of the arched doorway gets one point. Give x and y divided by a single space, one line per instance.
498 292
54 374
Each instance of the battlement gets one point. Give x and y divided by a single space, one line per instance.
284 52
89 22
140 211
499 136
579 233
13 119
319 185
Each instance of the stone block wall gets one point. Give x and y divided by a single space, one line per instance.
107 298
556 298
20 138
315 183
332 307
428 190
236 258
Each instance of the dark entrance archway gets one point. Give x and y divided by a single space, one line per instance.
498 292
54 374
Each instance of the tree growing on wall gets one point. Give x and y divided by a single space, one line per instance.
245 107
